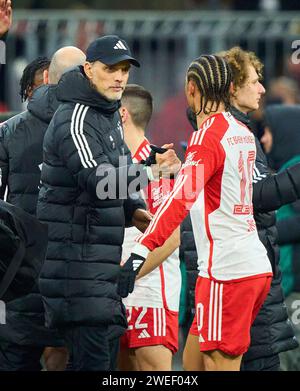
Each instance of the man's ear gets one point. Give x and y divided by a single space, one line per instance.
87 66
124 114
232 89
191 88
46 76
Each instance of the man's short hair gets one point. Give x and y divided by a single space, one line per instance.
239 61
139 103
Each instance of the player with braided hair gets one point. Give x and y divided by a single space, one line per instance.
32 76
210 74
234 271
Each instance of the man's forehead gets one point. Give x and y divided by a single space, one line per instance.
121 64
252 73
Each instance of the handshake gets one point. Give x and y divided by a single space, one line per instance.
163 161
128 273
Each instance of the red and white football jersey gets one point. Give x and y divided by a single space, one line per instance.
161 287
215 185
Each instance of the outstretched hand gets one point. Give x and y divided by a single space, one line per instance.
5 16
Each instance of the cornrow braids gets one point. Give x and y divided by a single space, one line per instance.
212 76
29 73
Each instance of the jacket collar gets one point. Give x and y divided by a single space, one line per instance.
240 116
75 87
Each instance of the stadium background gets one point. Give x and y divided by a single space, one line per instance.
164 36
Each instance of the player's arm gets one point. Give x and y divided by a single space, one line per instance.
202 162
271 191
160 254
288 230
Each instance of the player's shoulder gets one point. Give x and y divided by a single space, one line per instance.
219 124
212 130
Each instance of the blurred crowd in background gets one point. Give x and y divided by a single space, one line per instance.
156 44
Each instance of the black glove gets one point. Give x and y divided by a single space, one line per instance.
151 159
191 116
128 274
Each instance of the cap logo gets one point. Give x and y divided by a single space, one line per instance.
120 45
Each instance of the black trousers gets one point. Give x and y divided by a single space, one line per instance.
91 349
271 363
20 358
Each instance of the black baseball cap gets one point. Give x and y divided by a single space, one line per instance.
110 50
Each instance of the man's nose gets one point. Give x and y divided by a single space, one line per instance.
119 75
262 89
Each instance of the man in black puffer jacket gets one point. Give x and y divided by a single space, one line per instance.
80 199
271 332
19 164
24 337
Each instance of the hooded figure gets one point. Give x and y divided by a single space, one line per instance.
284 124
21 140
21 153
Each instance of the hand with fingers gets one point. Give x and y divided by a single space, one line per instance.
141 219
5 16
168 162
128 274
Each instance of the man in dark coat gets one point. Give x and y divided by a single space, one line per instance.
24 337
84 173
